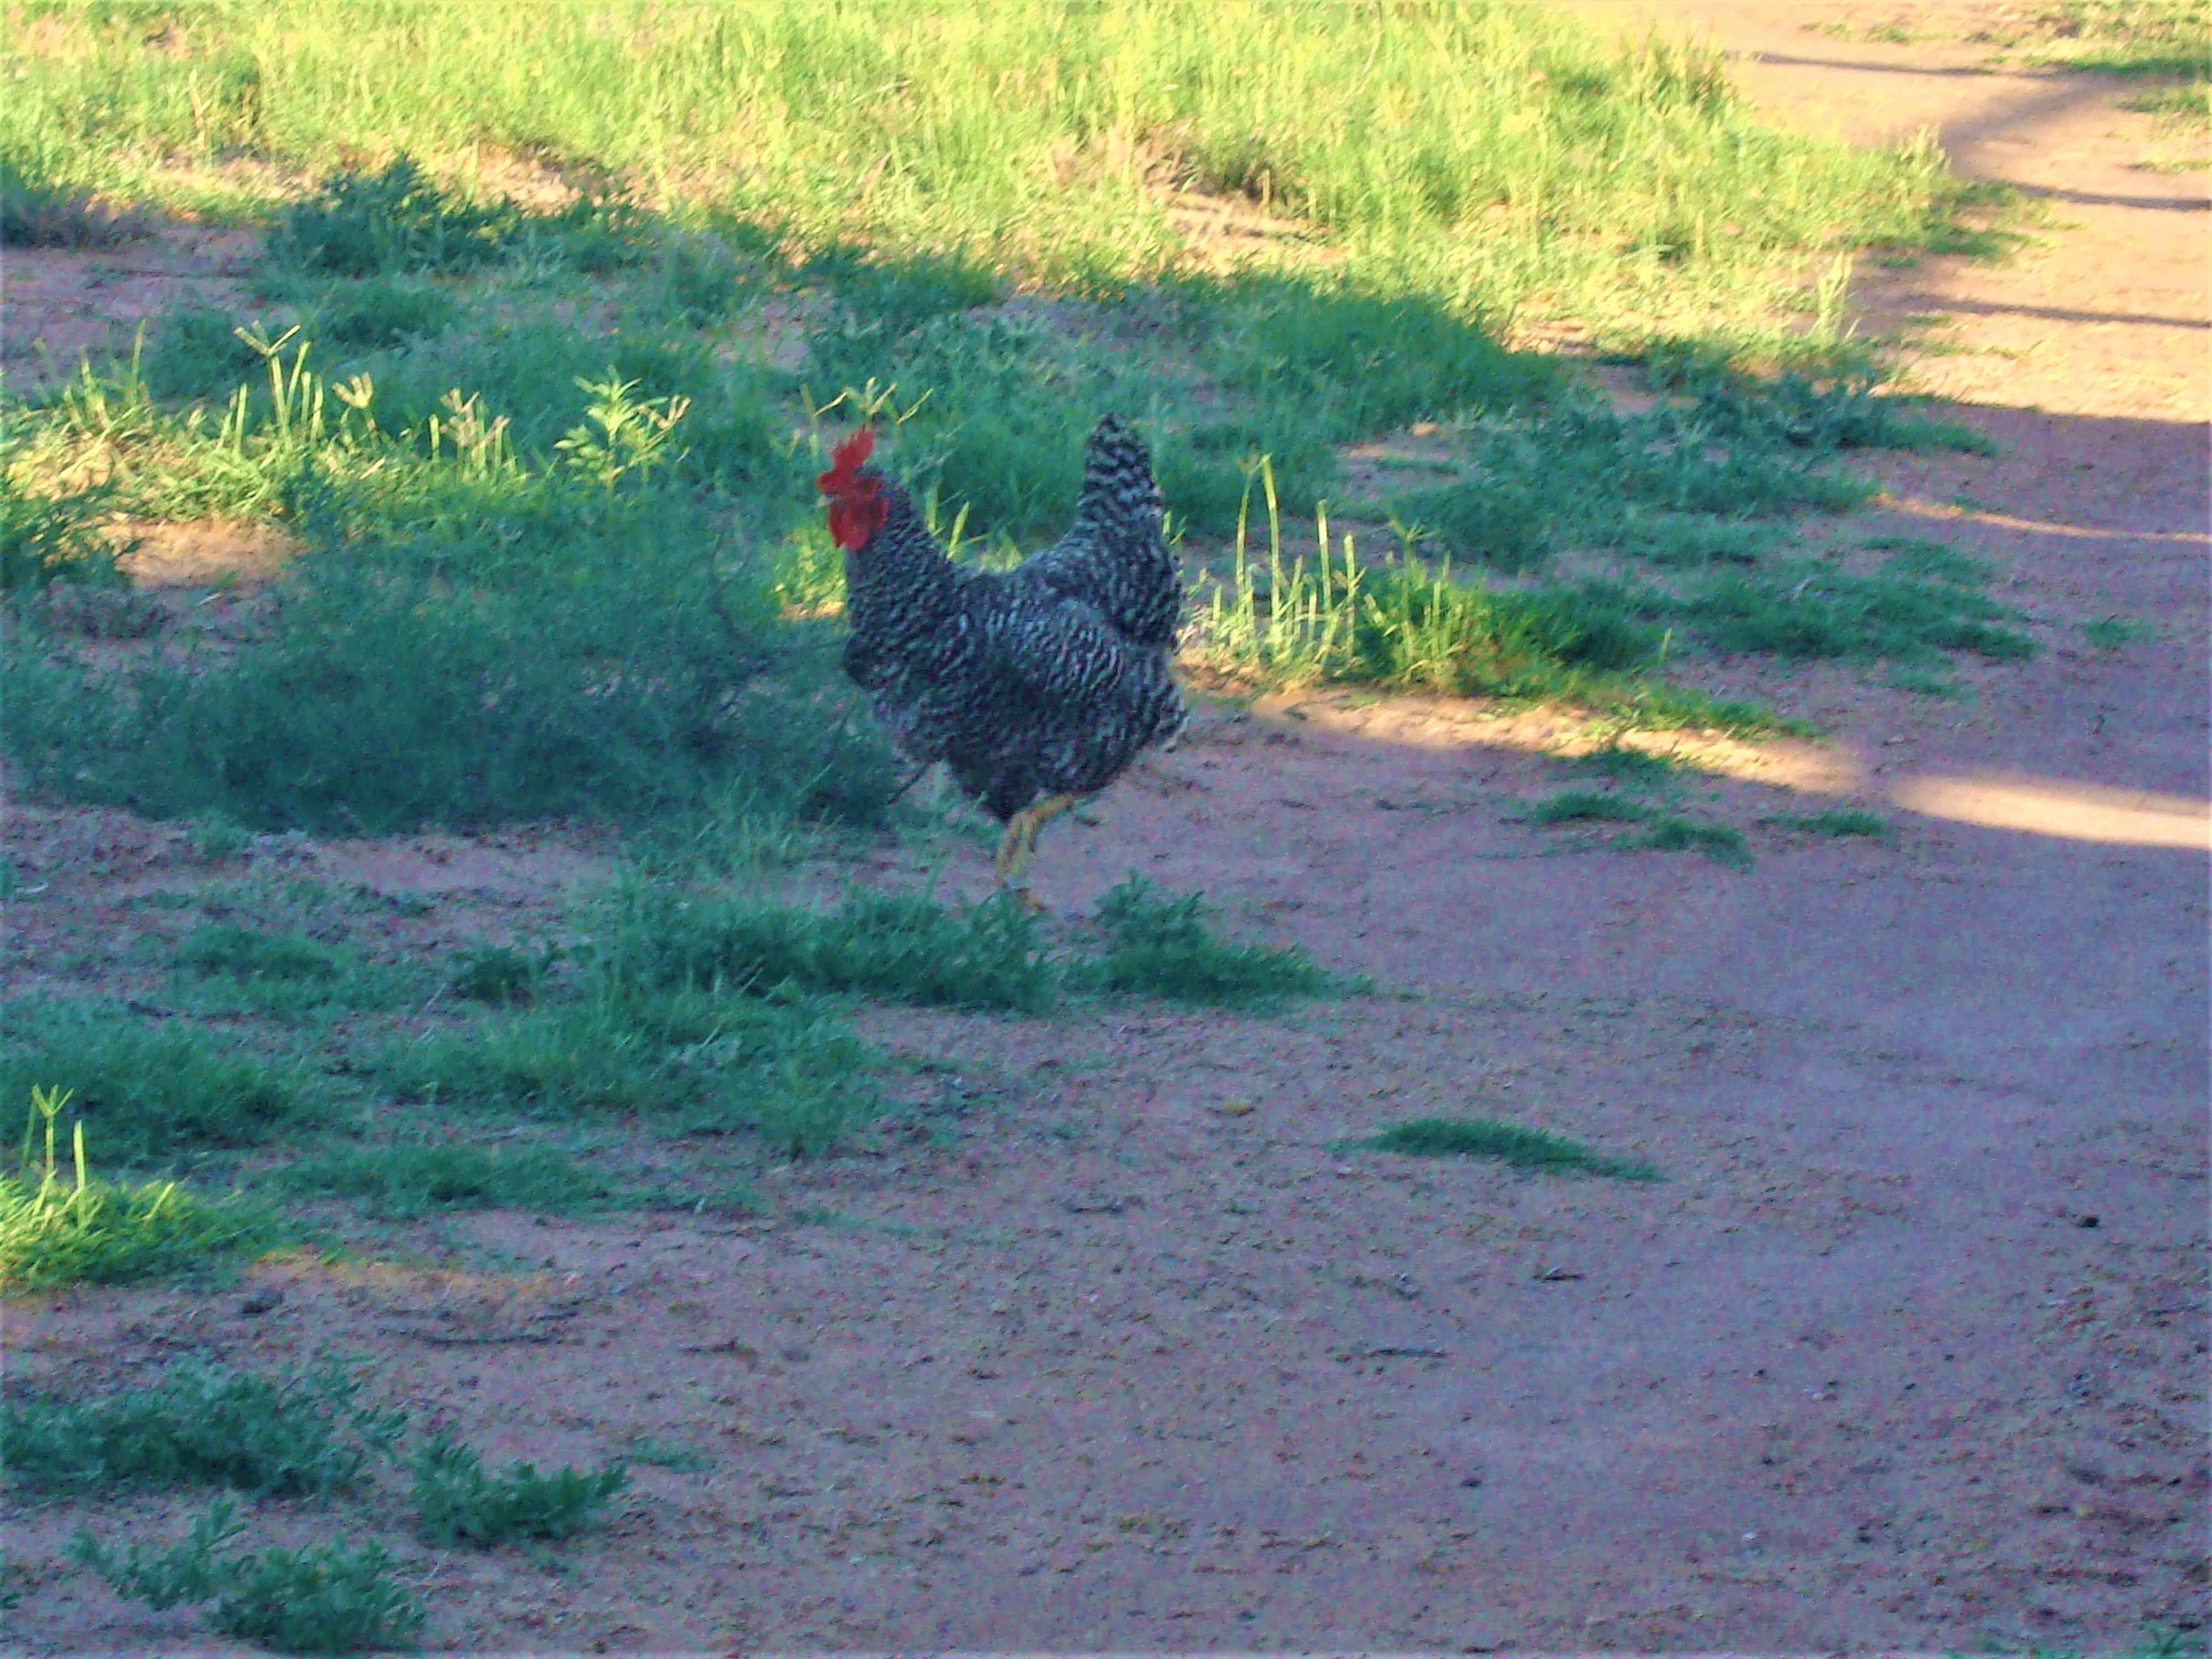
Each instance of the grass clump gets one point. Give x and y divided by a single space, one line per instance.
55 1230
1673 832
1160 944
1586 806
895 947
495 974
2117 633
155 1091
405 1181
459 1502
326 1598
1508 1143
701 1061
203 1424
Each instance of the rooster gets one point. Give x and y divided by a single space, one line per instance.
1038 686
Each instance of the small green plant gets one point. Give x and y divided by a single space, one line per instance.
58 1230
1841 821
326 1598
632 436
458 1502
1159 945
2117 633
1508 1143
203 1424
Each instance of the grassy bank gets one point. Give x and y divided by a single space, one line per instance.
1489 156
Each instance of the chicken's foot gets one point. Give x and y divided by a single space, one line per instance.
1018 848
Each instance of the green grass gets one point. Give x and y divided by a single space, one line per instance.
326 1598
157 1092
2117 633
58 1230
2118 37
1617 181
1508 1143
1814 608
405 1181
1586 806
895 947
1161 945
202 1423
1408 627
47 539
37 210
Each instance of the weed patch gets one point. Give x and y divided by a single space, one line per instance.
1508 1143
703 1061
202 1424
37 210
324 1599
1673 832
459 1502
1586 806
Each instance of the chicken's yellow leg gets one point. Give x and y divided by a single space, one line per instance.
1018 848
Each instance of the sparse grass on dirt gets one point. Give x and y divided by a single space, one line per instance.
1508 1143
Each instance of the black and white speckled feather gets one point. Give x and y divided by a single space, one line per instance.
1050 678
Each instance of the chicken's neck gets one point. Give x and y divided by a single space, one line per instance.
900 584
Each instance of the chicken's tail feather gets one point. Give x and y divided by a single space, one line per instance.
1118 485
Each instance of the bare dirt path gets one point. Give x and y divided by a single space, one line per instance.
1907 1353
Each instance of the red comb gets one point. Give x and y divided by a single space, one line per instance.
846 461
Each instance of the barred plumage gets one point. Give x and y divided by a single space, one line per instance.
1035 686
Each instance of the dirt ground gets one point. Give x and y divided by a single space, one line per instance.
1908 1354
